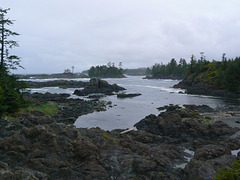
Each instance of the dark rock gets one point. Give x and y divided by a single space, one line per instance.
57 83
200 108
206 170
210 152
47 96
198 87
163 77
122 95
169 107
95 96
184 124
51 76
69 109
98 86
31 149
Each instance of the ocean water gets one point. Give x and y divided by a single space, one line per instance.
155 93
126 112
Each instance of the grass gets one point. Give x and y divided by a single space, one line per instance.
45 108
205 120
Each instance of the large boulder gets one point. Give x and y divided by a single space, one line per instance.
57 83
206 170
123 95
97 85
183 124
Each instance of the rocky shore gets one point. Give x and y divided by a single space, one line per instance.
69 109
51 76
200 88
177 144
130 95
97 85
57 83
163 77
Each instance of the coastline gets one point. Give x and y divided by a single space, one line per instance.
36 145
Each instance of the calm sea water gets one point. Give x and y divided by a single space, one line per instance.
126 112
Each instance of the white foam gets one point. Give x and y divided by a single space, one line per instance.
235 152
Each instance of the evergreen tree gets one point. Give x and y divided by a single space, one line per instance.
10 97
7 61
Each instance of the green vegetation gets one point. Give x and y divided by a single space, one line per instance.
45 108
10 97
222 75
136 72
231 173
106 71
171 70
206 120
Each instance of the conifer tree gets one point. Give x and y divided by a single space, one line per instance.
7 61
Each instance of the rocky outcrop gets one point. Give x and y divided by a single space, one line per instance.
184 124
50 76
201 88
123 95
35 146
97 85
57 151
57 83
199 108
69 109
163 77
46 96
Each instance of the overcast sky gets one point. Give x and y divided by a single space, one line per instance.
58 34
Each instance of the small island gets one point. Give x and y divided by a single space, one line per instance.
106 71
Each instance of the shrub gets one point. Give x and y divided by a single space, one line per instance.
231 173
10 97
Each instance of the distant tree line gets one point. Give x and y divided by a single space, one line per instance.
223 74
172 70
106 71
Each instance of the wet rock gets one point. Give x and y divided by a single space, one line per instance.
35 150
200 108
57 83
97 85
122 95
51 76
194 87
210 152
47 96
206 169
95 96
184 124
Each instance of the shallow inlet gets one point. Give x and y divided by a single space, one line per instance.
126 112
155 93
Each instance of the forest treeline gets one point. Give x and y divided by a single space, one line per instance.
223 74
172 70
106 71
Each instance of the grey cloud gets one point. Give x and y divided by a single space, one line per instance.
59 34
